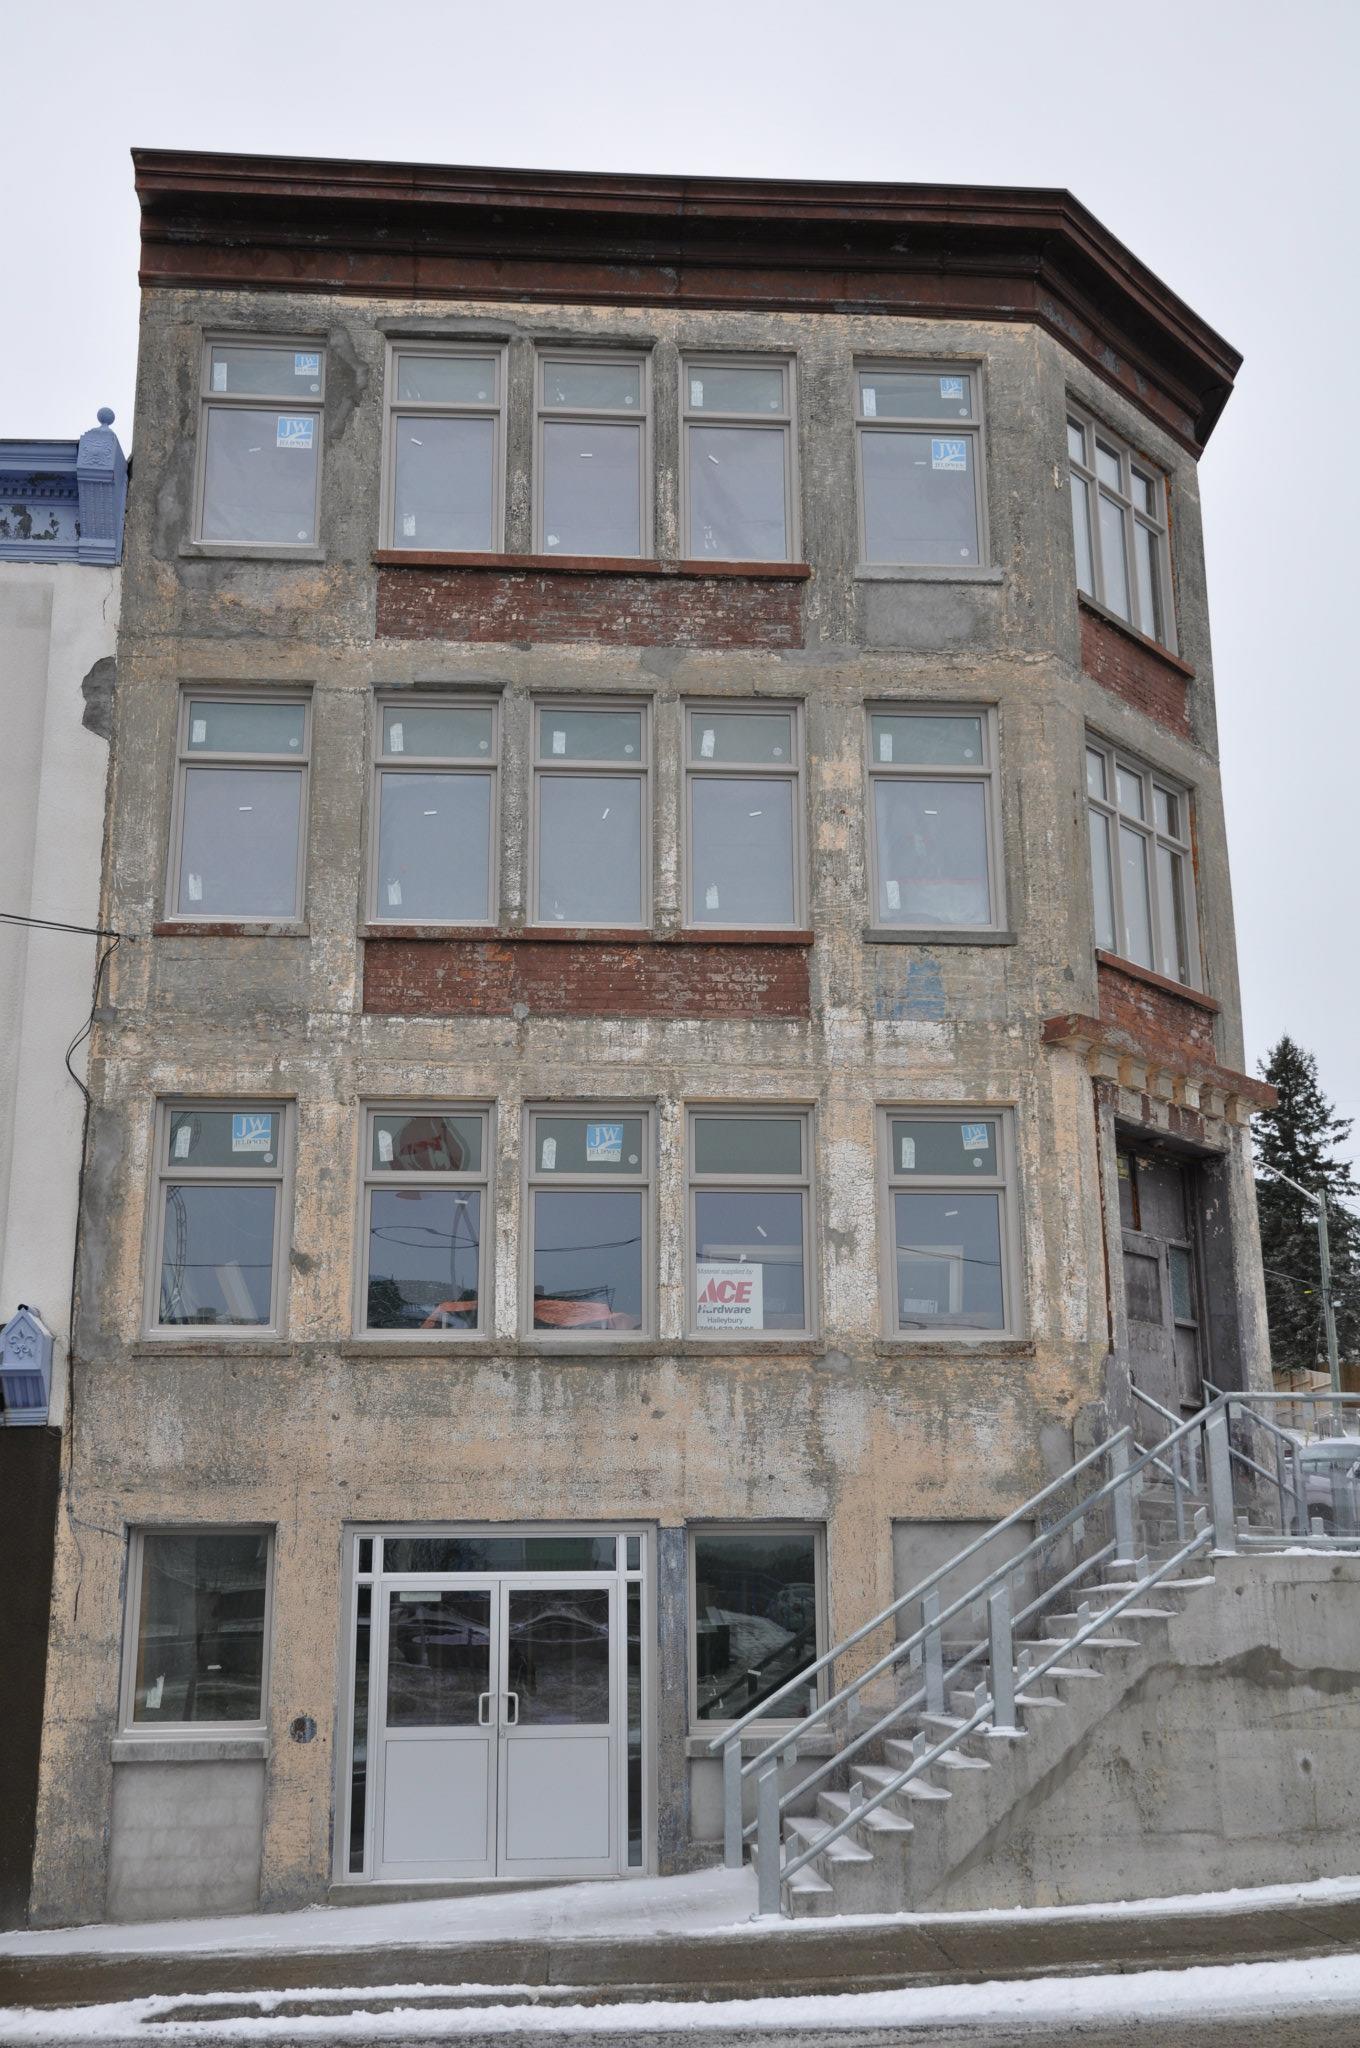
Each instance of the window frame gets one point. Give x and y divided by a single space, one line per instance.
554 764
989 774
257 401
279 1176
429 764
484 1181
693 766
223 693
769 1725
1158 522
577 415
804 1183
786 420
973 428
1116 757
393 406
131 1730
533 1177
1006 1183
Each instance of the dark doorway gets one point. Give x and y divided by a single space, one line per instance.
1158 1211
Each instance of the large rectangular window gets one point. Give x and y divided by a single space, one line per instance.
445 449
750 1195
259 458
1142 874
591 819
237 834
425 1263
738 467
218 1250
744 815
756 1608
197 1629
589 1266
919 434
592 496
950 1221
935 843
1119 529
435 811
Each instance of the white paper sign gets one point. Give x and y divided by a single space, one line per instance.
396 737
184 1138
893 891
885 740
976 1137
394 895
604 1144
385 1147
549 1152
908 1155
198 734
408 525
559 743
711 896
696 391
731 1295
195 888
219 376
707 742
870 403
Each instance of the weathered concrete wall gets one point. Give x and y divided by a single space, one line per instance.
185 1838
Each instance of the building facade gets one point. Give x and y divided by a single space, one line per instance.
683 1048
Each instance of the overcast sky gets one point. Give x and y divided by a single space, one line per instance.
1217 140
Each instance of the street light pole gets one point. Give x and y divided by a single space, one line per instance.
1319 1202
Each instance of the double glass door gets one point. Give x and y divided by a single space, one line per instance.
500 1701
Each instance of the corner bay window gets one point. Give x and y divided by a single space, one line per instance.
590 801
435 805
589 1225
920 473
218 1251
738 459
240 802
750 1186
1119 529
425 1183
755 1620
260 443
949 1190
444 450
744 816
935 842
196 1627
592 455
1141 871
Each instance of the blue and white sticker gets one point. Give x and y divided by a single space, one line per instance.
250 1133
306 366
294 433
951 387
976 1137
949 455
604 1144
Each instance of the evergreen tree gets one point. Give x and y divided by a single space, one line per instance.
1300 1137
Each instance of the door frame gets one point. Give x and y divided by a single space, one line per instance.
506 1736
1128 1139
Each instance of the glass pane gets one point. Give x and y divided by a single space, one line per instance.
259 478
741 860
217 1264
928 1145
589 735
590 849
434 847
1081 535
948 1253
1129 788
581 1144
1112 561
365 1553
920 740
1143 1287
1102 888
1146 561
748 1144
592 488
358 1771
748 1260
1165 810
426 1144
1172 957
587 1260
1076 441
1133 879
223 1137
200 1634
1182 1284
450 732
633 1596
920 505
719 387
755 1620
1095 773
444 484
438 1657
932 852
423 1258
634 1553
1108 467
239 852
736 494
272 372
593 386
557 1655
447 380
915 395
741 736
250 727
499 1553
1143 493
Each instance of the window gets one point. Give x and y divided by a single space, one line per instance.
590 781
424 1221
750 1188
198 1606
260 443
592 455
935 846
920 465
219 1249
237 834
1141 872
738 459
744 815
1119 529
589 1222
445 454
950 1201
435 812
756 1600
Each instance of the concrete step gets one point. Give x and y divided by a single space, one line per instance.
807 1896
805 1830
861 1881
920 1792
884 1833
1064 1672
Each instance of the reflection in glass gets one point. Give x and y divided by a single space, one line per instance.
932 852
259 476
426 1143
226 725
604 1144
557 1655
755 1620
742 854
499 1553
633 1594
275 372
222 1137
446 380
728 387
217 1262
922 739
1133 880
760 1231
592 488
438 1658
1112 558
239 844
573 735
449 732
444 484
423 1258
358 1770
589 849
434 847
1171 915
1102 887
920 506
948 1261
1081 535
741 736
748 1144
587 1271
200 1627
736 494
914 395
594 387
930 1145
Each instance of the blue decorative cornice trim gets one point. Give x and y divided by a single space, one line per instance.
63 501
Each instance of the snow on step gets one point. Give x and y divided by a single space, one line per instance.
802 1831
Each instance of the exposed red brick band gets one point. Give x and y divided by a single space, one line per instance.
637 978
1167 1026
645 609
1130 667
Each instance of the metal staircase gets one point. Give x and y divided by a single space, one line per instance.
954 1709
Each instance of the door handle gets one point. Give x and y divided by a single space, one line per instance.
483 1717
512 1720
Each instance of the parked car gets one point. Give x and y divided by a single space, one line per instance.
1331 1483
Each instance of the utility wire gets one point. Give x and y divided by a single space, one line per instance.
55 924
